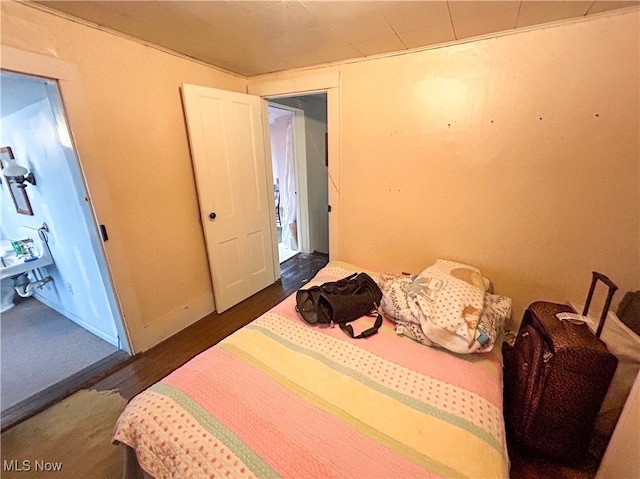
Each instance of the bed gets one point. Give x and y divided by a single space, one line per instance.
281 398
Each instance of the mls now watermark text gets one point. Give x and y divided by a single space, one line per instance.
27 465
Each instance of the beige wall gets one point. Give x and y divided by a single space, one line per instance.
518 154
123 102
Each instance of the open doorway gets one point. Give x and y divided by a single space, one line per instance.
298 131
60 319
285 185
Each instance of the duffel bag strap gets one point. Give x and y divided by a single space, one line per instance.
346 327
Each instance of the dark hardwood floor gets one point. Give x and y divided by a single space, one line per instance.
151 366
145 369
529 465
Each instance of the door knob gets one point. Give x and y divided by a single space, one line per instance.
212 215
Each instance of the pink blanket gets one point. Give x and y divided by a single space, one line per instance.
280 398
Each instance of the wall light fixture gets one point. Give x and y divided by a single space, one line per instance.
12 171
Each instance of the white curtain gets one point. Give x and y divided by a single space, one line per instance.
288 194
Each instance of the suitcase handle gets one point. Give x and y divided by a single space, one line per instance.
612 289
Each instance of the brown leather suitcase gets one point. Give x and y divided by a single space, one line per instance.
556 375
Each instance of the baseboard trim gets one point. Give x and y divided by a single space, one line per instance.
166 326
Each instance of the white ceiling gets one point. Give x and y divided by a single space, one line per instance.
19 91
255 37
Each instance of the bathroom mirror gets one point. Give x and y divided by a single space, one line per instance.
17 191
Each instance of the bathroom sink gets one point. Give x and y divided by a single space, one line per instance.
11 265
9 260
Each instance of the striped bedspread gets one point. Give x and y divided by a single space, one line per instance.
280 398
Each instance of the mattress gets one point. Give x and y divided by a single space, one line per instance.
281 398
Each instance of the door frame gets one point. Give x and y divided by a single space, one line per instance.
305 84
300 161
69 84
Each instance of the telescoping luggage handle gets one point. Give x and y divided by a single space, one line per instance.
612 289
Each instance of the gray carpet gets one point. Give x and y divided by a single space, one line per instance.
40 347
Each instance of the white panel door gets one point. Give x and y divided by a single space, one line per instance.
226 133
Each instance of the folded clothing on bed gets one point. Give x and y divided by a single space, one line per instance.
446 305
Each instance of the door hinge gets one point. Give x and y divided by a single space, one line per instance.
329 208
103 233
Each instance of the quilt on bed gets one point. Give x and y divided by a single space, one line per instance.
280 398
